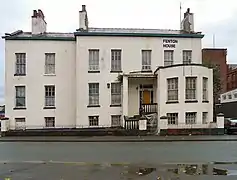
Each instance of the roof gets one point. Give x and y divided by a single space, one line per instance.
135 32
20 35
127 32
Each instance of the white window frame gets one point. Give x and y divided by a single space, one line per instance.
116 94
146 60
20 66
116 60
172 118
187 56
94 56
191 88
168 57
116 120
50 93
173 89
49 64
204 117
94 91
205 89
49 122
191 118
93 121
20 96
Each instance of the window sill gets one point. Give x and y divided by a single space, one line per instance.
50 107
146 71
19 108
93 71
93 106
49 74
116 71
172 102
19 74
116 105
205 101
191 101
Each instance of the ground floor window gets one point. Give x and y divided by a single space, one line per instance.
20 123
204 117
190 117
93 120
172 118
49 121
115 120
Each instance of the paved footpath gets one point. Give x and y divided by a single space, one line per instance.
118 138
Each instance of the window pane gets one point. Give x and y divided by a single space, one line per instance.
93 60
20 64
50 63
168 57
116 93
146 59
20 96
187 57
50 96
172 89
190 91
93 93
116 60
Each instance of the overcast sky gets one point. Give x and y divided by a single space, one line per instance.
210 16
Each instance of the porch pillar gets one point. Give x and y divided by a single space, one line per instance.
125 97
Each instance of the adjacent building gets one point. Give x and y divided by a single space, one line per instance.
95 77
217 56
232 78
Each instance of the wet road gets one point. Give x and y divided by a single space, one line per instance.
21 160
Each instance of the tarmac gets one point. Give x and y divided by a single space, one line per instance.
118 138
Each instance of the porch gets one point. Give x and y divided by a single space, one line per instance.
139 94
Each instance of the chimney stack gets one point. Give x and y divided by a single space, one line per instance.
187 24
39 25
83 19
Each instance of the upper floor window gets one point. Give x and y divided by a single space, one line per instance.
20 96
94 60
116 57
235 95
93 94
229 96
50 96
168 57
49 63
191 88
204 88
146 60
20 64
172 89
187 56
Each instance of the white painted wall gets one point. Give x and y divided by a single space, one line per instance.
131 61
38 25
182 107
35 80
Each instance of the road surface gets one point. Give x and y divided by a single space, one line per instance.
103 160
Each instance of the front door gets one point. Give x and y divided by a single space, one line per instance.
146 99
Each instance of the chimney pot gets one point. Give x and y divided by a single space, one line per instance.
83 7
34 13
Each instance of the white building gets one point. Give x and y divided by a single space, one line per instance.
96 76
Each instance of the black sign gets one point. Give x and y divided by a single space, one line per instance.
169 43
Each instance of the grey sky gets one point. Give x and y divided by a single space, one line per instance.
211 17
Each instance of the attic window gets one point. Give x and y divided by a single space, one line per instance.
229 96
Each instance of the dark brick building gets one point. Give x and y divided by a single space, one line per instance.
217 56
231 79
